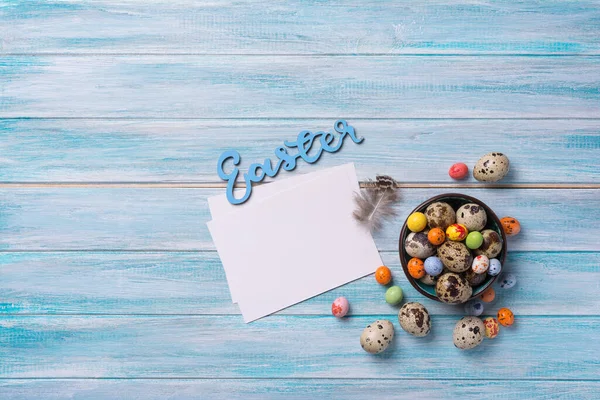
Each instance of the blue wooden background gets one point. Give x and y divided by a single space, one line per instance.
113 114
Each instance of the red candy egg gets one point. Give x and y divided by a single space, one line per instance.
458 171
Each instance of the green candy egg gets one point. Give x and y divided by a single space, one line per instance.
474 240
393 295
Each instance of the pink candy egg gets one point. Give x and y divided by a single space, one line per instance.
458 171
340 307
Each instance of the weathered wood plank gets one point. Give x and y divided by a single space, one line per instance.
300 27
302 87
49 150
287 347
245 389
194 283
175 219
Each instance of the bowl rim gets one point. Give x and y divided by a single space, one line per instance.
423 205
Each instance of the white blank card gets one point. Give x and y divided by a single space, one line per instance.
294 245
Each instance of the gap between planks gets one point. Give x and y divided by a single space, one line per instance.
223 185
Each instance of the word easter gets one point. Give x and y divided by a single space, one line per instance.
304 142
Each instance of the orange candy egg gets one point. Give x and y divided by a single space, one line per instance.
511 226
436 236
506 317
383 275
488 295
416 268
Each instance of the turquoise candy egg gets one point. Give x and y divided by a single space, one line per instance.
495 267
507 281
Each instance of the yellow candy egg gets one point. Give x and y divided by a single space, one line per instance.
457 232
416 222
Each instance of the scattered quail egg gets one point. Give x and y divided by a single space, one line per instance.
417 245
440 215
452 288
377 336
492 244
468 333
455 256
472 216
491 168
414 319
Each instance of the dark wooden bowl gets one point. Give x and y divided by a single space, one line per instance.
455 200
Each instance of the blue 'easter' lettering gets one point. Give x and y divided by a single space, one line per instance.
304 143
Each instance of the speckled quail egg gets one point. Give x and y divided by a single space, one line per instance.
455 256
471 215
429 280
440 215
414 319
452 288
468 333
473 278
492 244
417 245
491 168
377 336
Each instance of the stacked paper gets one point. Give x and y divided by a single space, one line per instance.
294 239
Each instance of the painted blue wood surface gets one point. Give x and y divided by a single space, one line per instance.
300 27
83 150
47 219
193 283
121 288
154 86
343 389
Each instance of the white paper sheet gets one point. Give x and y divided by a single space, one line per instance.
220 206
294 245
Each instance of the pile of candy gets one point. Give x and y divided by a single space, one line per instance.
457 251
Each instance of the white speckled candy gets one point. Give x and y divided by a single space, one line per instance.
480 264
495 267
377 336
507 281
468 333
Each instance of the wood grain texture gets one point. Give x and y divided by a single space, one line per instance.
300 27
288 347
51 150
175 219
347 389
299 87
118 283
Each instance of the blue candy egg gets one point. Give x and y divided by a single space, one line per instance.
507 281
495 267
433 266
474 308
